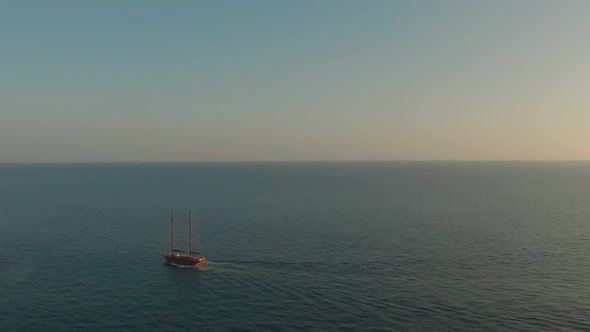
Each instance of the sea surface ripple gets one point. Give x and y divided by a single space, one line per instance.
349 246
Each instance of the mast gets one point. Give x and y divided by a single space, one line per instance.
172 227
190 232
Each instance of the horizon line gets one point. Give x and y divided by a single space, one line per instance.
283 161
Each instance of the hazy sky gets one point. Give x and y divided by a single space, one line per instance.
294 80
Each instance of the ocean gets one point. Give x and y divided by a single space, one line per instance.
319 246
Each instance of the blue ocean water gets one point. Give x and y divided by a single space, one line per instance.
371 246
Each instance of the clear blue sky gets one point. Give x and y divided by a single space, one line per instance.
294 80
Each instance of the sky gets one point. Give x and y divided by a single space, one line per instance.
188 80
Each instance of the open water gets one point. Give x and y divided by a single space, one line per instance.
360 246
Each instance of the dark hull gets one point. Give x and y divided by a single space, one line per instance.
178 261
182 259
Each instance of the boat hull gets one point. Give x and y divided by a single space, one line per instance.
183 260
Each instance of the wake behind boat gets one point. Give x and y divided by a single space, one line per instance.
179 257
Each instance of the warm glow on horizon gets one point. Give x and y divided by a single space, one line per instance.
303 80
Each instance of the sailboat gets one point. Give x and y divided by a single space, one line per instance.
179 257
